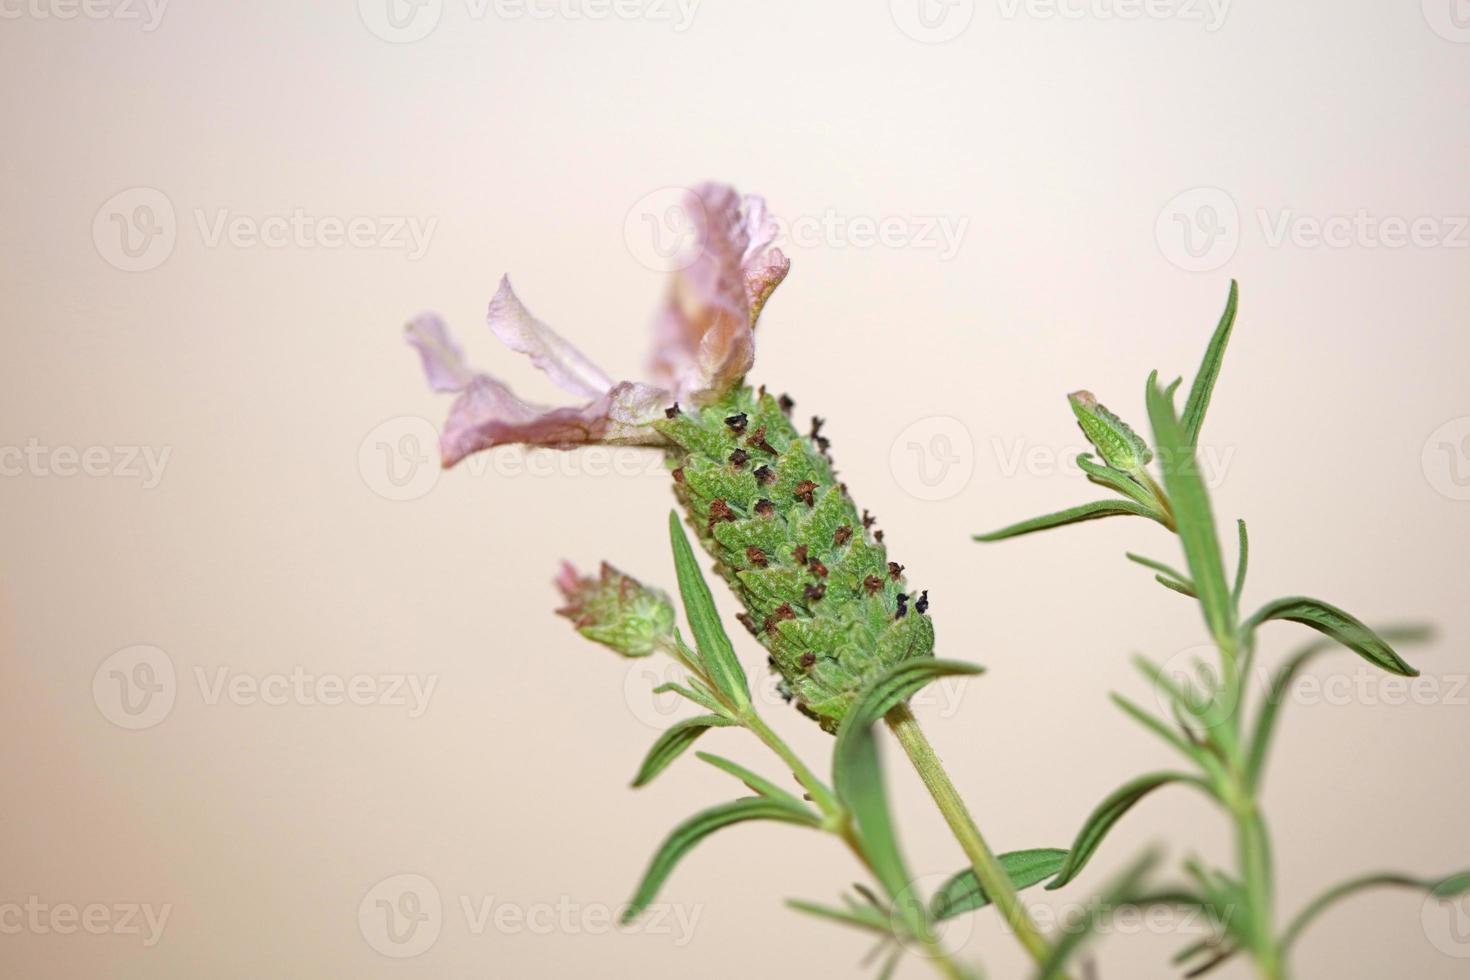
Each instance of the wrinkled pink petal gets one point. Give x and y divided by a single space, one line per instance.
489 414
704 339
566 366
443 360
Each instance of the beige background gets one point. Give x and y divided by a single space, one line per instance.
269 545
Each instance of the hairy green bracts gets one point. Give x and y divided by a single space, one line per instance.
617 610
818 589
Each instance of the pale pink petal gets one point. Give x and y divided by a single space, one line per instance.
704 339
443 360
568 367
489 414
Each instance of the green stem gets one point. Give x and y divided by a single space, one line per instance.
988 871
1254 848
823 797
839 824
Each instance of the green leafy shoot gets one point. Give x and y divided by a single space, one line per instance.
1177 580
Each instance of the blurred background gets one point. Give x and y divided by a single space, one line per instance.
281 699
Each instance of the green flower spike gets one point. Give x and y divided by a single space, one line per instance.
617 610
819 591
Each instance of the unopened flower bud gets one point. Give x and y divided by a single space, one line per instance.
616 610
1117 444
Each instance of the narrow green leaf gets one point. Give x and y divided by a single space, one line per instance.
964 893
1183 588
1160 728
1452 886
1265 726
1114 479
890 965
1083 512
1334 622
757 783
684 837
1166 571
699 697
858 778
674 741
864 917
1241 562
1107 814
715 651
1195 522
1209 369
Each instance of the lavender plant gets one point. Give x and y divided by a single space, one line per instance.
850 641
1214 722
